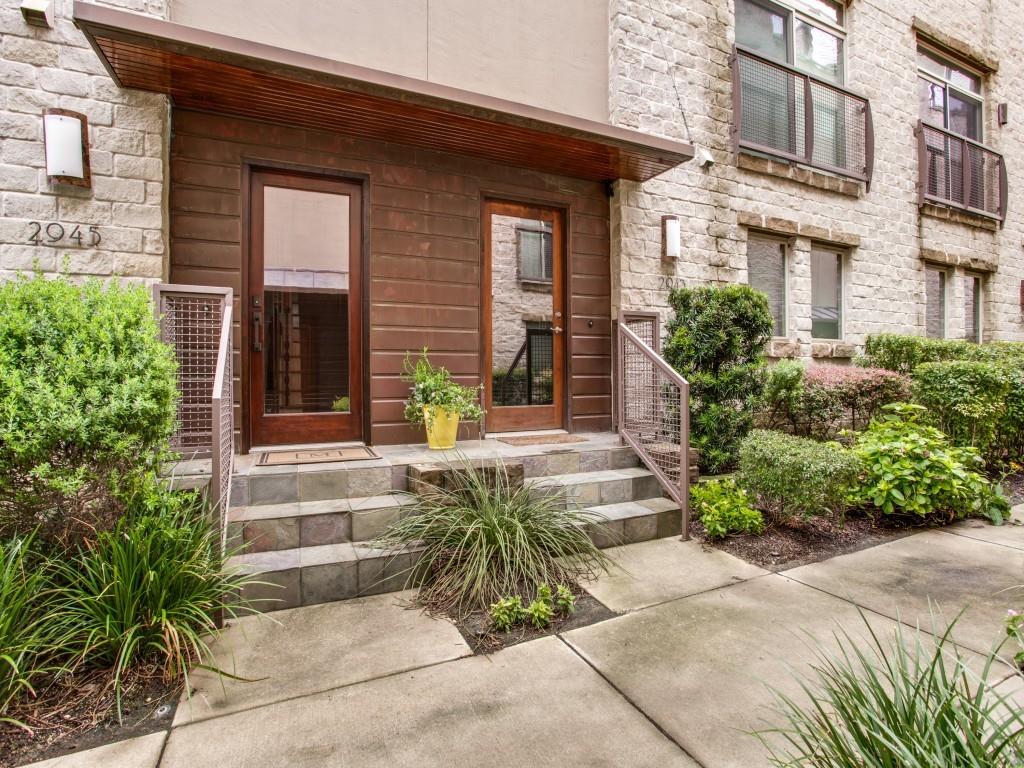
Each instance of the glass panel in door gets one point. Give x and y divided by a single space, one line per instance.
525 318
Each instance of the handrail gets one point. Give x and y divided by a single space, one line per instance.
853 137
222 421
947 177
653 411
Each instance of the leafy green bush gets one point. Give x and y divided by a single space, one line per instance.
435 387
716 340
565 600
915 701
149 590
1015 631
486 538
792 476
87 403
911 468
724 508
897 352
507 612
821 400
975 403
539 613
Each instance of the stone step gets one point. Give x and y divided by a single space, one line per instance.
273 485
612 486
269 527
317 574
631 522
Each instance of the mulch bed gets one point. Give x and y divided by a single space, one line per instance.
1013 487
799 542
80 712
478 633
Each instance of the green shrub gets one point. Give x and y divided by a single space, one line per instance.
1015 631
822 400
539 613
792 476
565 600
87 403
507 612
897 352
911 468
716 340
486 538
975 403
915 701
724 508
150 590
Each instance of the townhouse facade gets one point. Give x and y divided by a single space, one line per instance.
497 182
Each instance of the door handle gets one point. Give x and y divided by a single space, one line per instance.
556 329
257 331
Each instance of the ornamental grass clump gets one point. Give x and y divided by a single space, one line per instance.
913 702
486 538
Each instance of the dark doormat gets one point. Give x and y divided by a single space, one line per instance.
316 455
542 439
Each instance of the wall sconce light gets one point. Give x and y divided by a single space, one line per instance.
670 238
1002 113
66 137
38 13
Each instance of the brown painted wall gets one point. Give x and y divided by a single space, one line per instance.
424 250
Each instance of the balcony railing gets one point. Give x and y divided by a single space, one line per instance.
783 112
960 172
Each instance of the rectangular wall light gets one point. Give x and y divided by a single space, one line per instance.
66 137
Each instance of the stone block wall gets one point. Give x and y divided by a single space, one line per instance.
670 75
128 131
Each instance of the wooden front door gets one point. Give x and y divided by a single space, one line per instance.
304 309
524 317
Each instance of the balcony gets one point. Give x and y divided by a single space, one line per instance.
977 186
784 113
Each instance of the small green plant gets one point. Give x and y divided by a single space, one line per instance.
794 476
915 701
565 600
485 537
539 613
911 468
149 590
1015 630
507 612
724 508
434 387
341 404
544 594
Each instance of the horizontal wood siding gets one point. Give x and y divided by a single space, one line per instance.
425 251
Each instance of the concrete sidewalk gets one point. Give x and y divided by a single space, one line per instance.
679 679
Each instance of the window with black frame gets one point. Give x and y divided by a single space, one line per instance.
809 36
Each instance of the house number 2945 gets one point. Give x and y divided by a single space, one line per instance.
54 232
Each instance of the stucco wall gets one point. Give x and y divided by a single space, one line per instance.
55 67
690 41
546 54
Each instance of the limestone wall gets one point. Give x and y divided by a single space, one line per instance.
55 67
670 75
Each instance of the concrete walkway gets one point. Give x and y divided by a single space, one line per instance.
679 679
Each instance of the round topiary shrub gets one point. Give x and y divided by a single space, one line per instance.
716 340
87 403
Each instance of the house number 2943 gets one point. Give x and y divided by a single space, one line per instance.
54 232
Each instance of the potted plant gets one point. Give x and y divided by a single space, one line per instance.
438 402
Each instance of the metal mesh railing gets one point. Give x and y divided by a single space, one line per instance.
960 172
196 322
654 414
783 112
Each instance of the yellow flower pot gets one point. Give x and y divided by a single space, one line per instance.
442 427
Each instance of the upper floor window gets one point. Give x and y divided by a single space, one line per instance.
950 94
807 34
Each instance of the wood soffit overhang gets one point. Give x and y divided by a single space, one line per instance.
211 72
